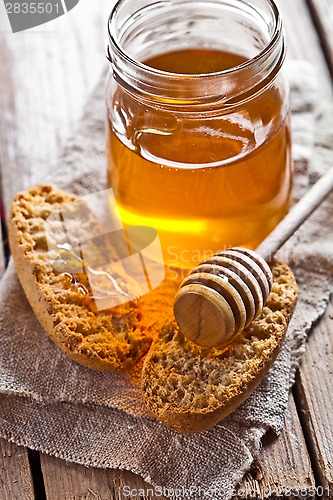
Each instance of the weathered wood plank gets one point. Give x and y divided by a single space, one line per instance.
15 477
284 468
303 41
322 11
75 482
314 384
314 389
46 78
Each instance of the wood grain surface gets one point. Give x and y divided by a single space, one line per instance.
284 467
322 11
46 77
315 395
65 480
15 477
314 385
303 41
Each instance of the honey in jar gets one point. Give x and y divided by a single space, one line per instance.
199 146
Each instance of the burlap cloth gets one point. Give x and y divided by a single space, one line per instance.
52 404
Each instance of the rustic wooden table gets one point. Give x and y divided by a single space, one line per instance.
46 76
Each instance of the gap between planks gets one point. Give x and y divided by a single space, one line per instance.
314 374
284 468
2 254
322 13
15 476
315 398
303 41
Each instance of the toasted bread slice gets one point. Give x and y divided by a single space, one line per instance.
108 340
191 389
187 387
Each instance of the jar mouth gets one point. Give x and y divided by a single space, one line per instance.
132 71
140 65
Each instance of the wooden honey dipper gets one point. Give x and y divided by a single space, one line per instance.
222 295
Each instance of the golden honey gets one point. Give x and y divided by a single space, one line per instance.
203 182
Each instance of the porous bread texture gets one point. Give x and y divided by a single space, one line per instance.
190 388
109 340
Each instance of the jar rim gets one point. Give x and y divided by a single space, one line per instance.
262 54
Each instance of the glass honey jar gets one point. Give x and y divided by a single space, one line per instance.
198 131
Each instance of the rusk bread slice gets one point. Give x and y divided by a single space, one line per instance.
107 340
191 388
